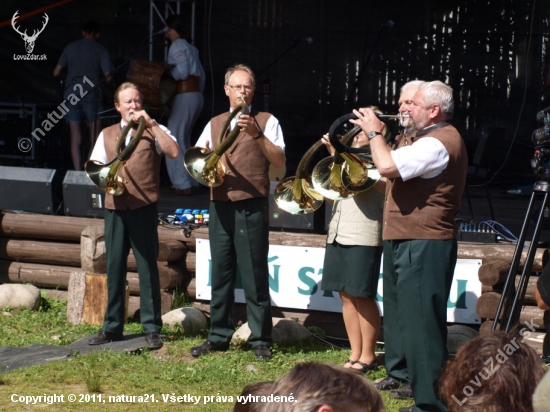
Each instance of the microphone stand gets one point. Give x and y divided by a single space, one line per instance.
296 42
365 64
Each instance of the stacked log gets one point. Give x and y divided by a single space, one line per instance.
493 273
44 250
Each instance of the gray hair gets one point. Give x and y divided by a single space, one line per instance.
413 84
241 67
439 93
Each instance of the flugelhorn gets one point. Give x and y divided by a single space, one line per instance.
344 174
204 165
105 176
295 194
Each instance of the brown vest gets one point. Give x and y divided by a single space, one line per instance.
426 208
140 173
246 167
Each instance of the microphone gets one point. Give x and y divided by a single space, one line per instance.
388 24
308 40
165 30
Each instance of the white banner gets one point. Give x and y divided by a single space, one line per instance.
295 280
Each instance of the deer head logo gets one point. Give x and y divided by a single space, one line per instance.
29 40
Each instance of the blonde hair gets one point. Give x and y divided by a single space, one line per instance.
124 86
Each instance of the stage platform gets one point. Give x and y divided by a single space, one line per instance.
509 208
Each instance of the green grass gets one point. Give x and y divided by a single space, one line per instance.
170 371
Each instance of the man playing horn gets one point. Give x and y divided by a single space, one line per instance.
426 177
239 218
131 218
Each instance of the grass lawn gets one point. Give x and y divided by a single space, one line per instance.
146 380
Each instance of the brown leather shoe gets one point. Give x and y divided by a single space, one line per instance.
105 337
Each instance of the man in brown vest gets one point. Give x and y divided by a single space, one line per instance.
239 218
426 178
131 218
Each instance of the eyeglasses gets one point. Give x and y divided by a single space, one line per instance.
238 87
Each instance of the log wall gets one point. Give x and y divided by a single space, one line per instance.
43 250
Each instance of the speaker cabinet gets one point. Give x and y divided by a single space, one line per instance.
279 219
18 122
81 197
29 189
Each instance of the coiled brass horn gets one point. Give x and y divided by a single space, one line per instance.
344 174
295 194
202 164
105 176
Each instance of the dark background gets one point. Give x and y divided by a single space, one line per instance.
493 53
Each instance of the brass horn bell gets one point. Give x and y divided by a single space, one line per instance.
105 176
295 194
344 174
204 165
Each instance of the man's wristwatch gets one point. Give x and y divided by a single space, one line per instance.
261 134
370 135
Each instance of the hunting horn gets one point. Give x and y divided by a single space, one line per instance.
204 165
105 176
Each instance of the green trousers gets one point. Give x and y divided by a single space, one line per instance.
136 229
417 282
239 240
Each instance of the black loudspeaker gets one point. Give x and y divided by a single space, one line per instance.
17 122
279 219
29 189
81 197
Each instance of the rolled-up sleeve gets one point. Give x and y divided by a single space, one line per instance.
425 158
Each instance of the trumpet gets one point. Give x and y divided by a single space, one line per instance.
204 165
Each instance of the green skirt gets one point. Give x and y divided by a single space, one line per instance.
353 269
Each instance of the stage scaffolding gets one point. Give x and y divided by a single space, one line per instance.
159 10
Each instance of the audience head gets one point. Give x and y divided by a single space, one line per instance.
250 392
541 397
494 372
320 387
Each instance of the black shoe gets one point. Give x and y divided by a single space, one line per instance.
388 384
408 409
405 392
105 337
365 367
262 352
153 340
207 347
